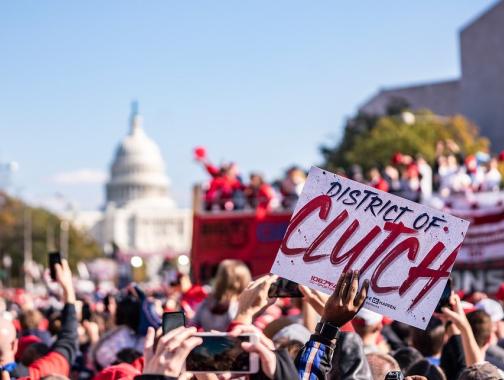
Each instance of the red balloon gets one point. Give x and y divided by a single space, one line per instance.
200 152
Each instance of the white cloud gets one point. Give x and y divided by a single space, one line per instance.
80 177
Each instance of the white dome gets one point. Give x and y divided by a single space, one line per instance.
138 170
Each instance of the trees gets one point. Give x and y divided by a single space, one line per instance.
372 141
45 233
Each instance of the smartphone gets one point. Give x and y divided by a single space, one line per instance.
54 258
86 312
172 320
444 301
284 288
221 353
394 375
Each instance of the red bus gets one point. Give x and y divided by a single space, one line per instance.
247 235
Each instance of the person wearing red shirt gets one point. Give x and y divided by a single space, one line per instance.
58 360
259 194
377 181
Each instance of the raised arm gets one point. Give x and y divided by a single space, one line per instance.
63 352
314 359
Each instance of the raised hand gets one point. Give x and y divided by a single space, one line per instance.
168 357
346 300
254 299
264 348
316 299
64 278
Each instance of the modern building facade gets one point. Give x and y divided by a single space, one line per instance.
478 94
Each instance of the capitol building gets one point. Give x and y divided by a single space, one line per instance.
139 217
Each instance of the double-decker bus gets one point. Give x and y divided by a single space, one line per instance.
253 236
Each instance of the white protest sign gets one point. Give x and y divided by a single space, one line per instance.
405 249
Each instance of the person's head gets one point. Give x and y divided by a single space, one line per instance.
475 297
256 180
483 371
33 352
492 308
230 170
452 160
232 278
494 163
8 341
30 319
406 357
391 172
426 369
296 175
374 174
442 161
128 310
368 325
381 364
482 327
127 355
402 330
421 160
429 341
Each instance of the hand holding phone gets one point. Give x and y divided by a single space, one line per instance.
64 277
54 258
223 353
172 320
283 288
394 375
169 355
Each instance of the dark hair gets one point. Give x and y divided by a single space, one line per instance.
406 356
128 311
33 352
424 368
402 330
127 355
430 341
481 325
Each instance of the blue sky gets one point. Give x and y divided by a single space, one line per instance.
262 83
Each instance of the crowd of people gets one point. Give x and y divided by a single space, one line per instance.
453 173
64 335
410 177
227 190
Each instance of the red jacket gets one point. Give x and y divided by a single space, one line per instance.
63 352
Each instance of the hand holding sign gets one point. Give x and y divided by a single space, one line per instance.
345 302
405 250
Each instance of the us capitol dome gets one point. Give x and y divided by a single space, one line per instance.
140 217
138 170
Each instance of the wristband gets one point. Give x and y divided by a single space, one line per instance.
327 330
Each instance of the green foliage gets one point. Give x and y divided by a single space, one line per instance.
382 137
45 236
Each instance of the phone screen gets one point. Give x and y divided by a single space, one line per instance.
219 354
54 258
284 288
173 320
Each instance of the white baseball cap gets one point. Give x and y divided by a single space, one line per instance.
369 317
492 308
